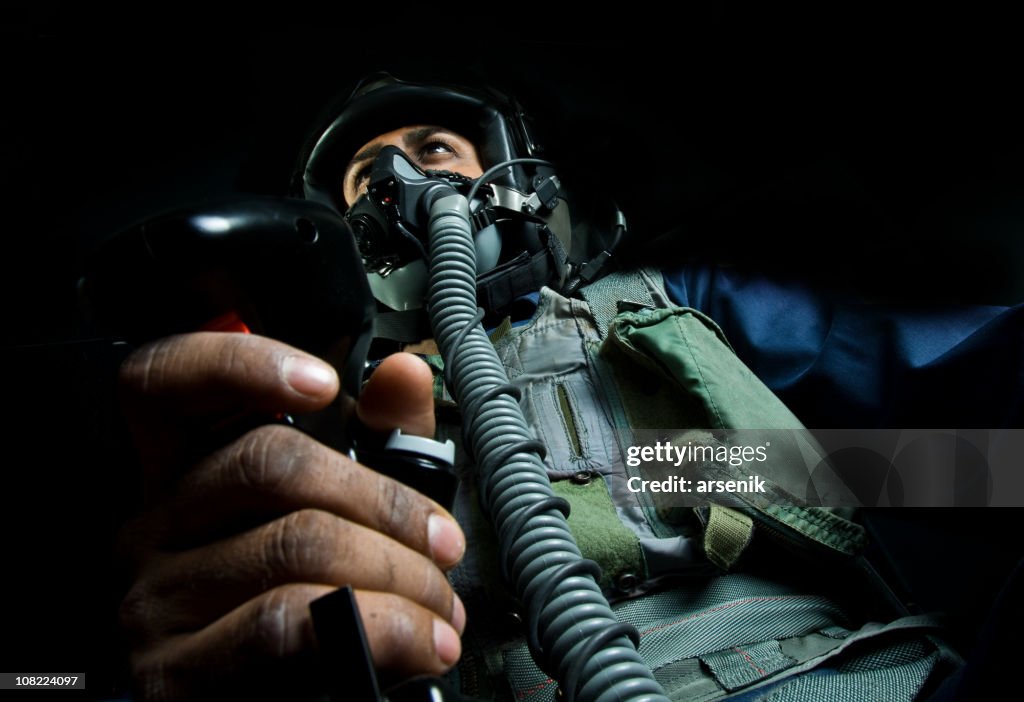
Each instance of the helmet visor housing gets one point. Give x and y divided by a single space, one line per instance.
494 123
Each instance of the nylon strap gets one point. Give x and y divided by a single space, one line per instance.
524 274
726 535
407 327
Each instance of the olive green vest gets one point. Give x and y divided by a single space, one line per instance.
644 407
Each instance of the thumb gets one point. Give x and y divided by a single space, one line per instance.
399 395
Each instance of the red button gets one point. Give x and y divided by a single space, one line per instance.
227 322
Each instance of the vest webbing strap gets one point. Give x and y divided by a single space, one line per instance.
726 535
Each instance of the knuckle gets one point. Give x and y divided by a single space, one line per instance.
395 506
144 368
443 590
271 630
397 625
150 369
399 634
268 457
435 593
401 625
295 542
236 357
136 611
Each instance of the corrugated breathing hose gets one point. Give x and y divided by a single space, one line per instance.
573 633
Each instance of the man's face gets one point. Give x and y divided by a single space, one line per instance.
426 146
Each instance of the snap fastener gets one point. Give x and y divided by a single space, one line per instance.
583 477
626 581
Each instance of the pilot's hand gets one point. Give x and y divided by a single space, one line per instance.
238 539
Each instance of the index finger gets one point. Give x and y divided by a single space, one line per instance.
208 373
178 391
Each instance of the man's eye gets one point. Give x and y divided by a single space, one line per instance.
435 150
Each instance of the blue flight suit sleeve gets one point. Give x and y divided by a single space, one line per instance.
840 363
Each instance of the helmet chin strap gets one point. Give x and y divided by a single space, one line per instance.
556 218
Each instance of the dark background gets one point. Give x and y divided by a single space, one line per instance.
843 144
876 154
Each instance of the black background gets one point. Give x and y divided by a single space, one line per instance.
841 143
879 153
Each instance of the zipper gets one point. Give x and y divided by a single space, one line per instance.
569 419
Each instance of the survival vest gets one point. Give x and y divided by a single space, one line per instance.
753 587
